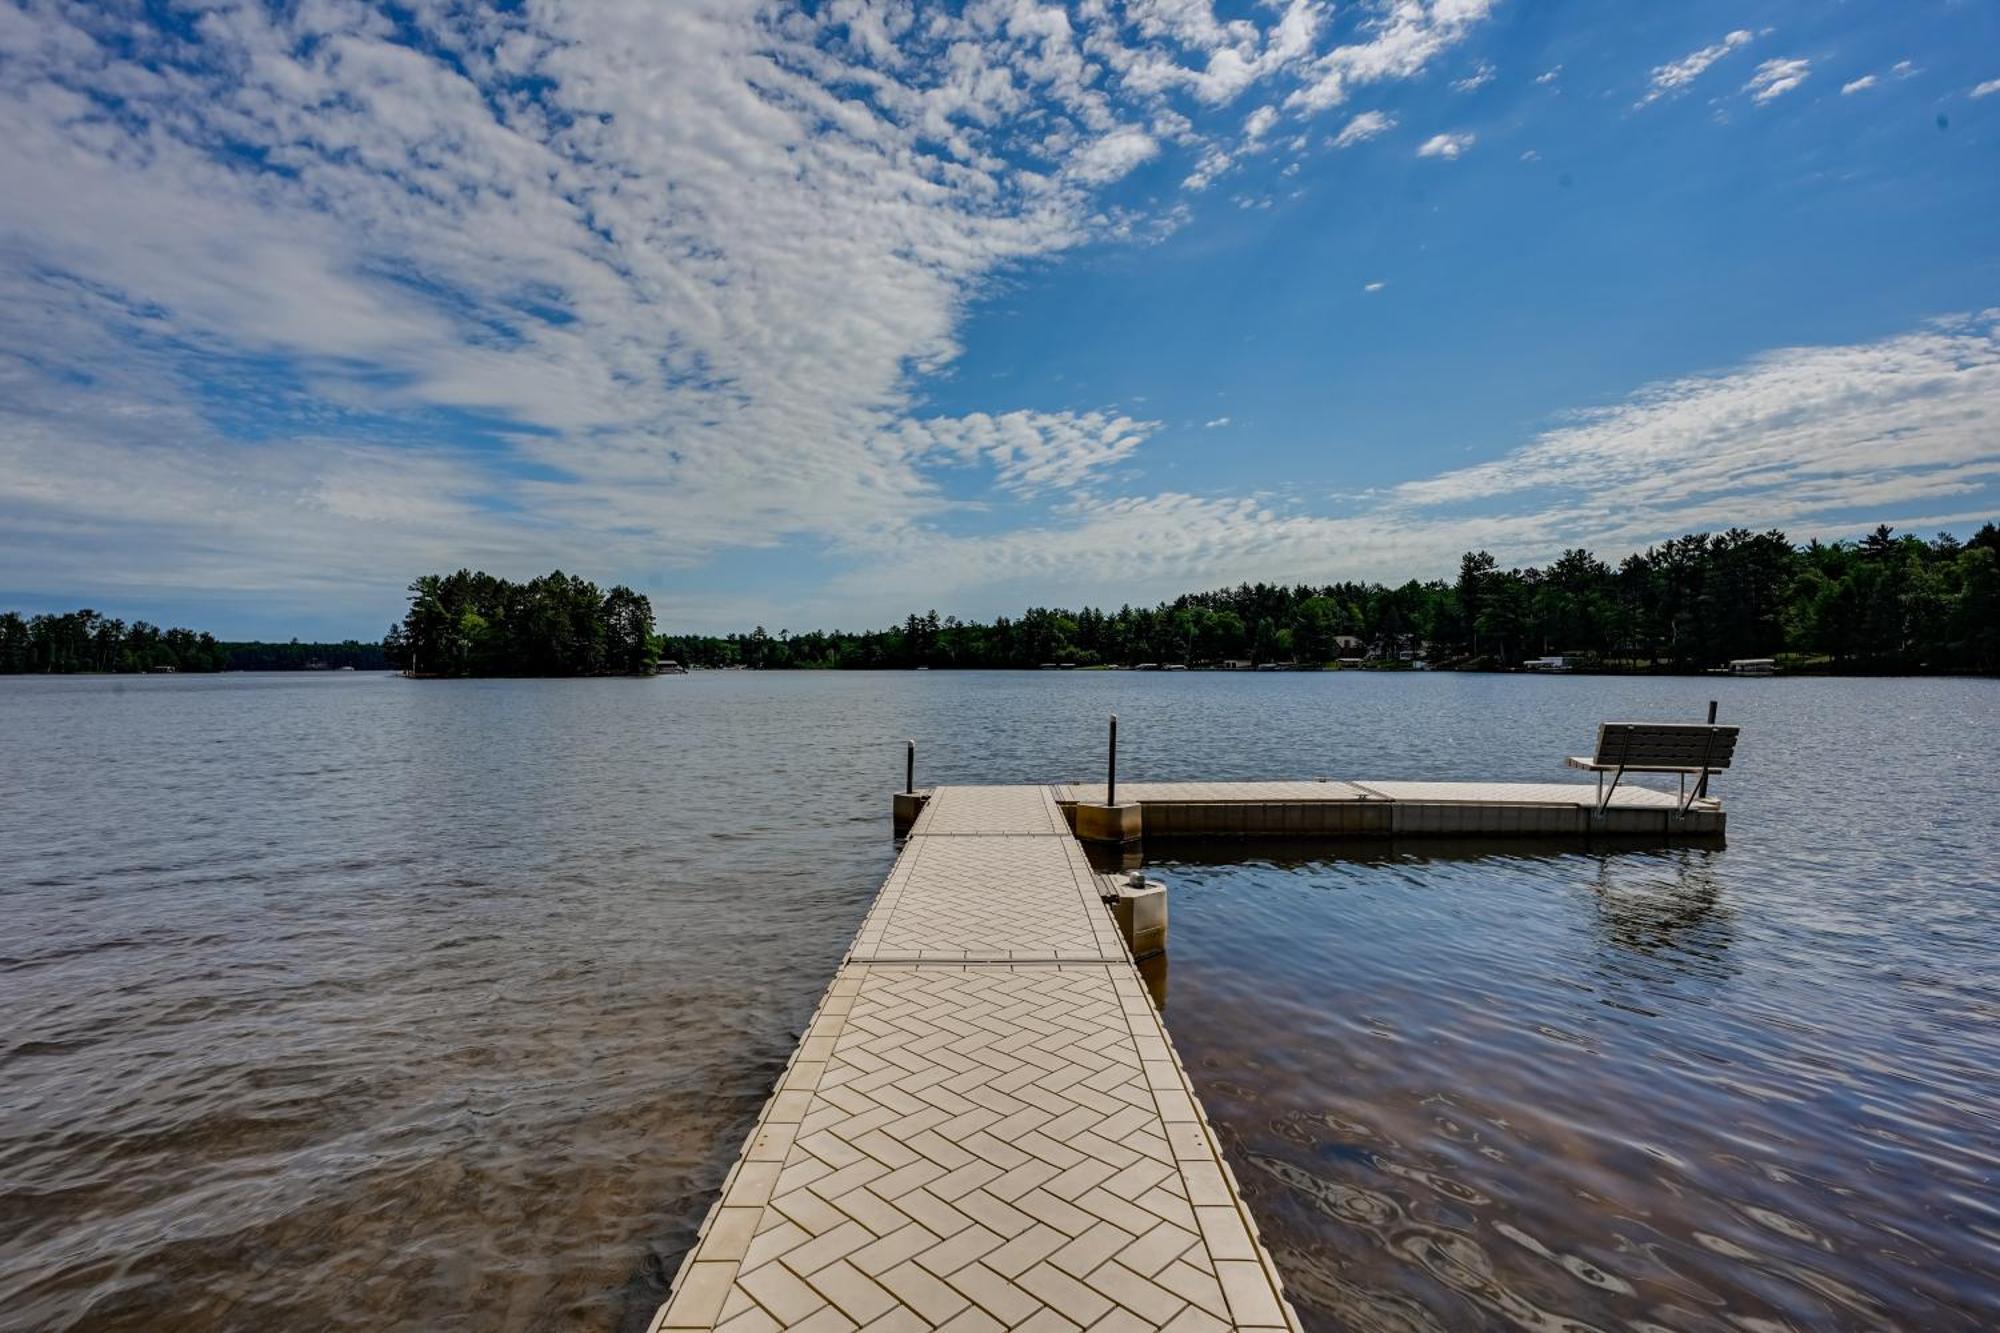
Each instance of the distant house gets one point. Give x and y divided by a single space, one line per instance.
1237 664
1347 645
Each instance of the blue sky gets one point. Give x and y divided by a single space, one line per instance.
812 315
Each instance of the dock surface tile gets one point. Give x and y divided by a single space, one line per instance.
1005 898
990 812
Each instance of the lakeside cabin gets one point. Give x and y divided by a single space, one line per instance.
1553 664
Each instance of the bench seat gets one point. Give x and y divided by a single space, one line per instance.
1589 765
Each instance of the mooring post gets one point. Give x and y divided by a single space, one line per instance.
1108 823
1701 786
1111 766
906 803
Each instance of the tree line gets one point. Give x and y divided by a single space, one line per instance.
1885 603
475 624
1888 602
84 640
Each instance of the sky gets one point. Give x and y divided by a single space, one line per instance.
809 316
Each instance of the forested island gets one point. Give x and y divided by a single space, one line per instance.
1885 603
85 641
474 624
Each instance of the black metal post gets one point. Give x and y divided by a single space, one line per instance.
1111 766
910 769
1701 786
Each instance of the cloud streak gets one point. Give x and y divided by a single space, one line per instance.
1676 75
1813 439
1368 125
1775 78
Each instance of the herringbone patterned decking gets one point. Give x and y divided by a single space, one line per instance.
967 898
990 812
980 1148
980 1145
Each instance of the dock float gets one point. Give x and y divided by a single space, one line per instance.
985 1126
1404 809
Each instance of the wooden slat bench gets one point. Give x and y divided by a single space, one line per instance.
1682 748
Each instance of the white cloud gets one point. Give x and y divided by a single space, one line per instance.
1818 440
311 308
524 285
1857 85
1987 89
1904 69
1373 286
1405 38
1214 162
1213 424
1368 125
1447 146
1678 74
1549 76
1032 452
1795 432
1476 80
1114 155
1775 78
1228 57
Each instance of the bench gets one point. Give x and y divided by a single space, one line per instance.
1681 748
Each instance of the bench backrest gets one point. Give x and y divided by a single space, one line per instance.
1665 745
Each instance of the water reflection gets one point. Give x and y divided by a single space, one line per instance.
1500 1085
1153 971
1666 904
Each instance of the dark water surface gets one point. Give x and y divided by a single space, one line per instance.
353 1002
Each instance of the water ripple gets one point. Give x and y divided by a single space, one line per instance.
350 1002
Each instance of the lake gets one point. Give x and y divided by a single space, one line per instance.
347 1001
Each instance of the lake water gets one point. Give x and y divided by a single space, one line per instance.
346 1001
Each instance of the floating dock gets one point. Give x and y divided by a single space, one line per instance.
986 1126
1404 809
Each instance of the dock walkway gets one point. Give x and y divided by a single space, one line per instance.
985 1125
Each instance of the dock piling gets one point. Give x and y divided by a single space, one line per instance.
1701 787
1111 765
1109 824
908 803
